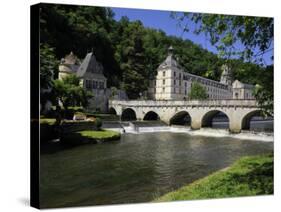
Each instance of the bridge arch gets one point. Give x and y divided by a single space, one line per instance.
112 110
128 115
245 125
208 118
151 115
181 118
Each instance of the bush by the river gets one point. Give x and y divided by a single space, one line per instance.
248 176
98 123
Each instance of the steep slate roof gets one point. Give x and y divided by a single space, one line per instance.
169 62
69 64
90 65
71 59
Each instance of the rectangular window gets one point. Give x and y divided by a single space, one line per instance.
174 74
94 84
163 90
101 85
175 83
164 73
185 84
90 84
163 82
87 84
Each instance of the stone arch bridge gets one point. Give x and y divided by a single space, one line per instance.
238 112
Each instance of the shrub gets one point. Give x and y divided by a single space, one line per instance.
98 123
68 114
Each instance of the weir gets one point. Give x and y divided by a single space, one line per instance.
206 132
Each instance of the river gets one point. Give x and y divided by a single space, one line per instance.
138 168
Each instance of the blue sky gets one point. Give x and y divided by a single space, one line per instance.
162 20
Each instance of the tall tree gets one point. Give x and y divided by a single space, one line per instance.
135 79
48 67
253 35
69 92
228 31
197 92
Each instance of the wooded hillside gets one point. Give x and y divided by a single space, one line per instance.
129 52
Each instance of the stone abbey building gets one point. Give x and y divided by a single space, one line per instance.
174 83
90 72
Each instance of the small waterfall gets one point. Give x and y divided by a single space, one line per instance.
137 127
132 128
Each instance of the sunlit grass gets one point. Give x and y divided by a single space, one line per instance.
49 121
99 134
248 176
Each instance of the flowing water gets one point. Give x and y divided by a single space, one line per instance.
137 168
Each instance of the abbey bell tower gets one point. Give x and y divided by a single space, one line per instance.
226 76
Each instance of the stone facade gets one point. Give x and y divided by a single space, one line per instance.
90 72
172 82
242 91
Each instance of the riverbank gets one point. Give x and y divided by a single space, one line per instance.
249 176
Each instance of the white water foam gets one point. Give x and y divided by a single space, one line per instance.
208 132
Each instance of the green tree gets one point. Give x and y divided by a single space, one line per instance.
197 92
134 72
70 93
254 34
48 67
226 31
264 90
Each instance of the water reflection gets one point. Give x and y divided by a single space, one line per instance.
138 168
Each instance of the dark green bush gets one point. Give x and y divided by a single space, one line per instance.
98 123
68 114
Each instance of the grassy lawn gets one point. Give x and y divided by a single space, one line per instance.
101 134
246 177
49 121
